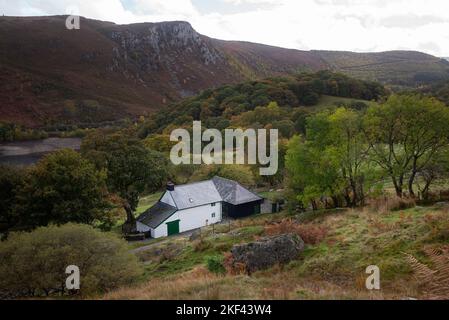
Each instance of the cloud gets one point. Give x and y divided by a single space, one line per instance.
357 25
411 21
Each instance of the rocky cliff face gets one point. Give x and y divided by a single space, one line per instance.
170 48
152 46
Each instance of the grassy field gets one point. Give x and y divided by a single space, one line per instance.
333 268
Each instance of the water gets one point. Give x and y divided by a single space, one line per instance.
25 153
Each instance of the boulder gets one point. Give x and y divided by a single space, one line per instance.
267 252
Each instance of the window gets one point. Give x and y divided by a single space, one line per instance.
213 204
213 215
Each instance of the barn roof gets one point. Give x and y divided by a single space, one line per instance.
195 194
157 214
232 192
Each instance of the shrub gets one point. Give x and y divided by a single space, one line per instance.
201 245
33 264
310 233
231 266
215 264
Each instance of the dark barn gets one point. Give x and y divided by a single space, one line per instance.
241 210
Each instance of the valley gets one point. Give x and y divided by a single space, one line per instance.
354 172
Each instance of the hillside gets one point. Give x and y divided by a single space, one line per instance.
104 71
244 104
339 246
396 68
438 90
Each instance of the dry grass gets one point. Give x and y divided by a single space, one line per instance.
433 279
197 284
274 284
310 233
340 247
387 204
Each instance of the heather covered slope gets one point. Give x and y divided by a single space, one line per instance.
339 246
394 68
105 71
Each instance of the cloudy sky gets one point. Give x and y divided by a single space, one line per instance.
356 25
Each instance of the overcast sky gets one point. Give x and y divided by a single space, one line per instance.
356 25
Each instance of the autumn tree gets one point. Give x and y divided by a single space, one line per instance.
131 168
63 187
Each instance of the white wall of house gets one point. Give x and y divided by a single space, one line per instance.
190 219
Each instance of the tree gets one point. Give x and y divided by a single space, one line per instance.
286 128
236 172
349 150
159 142
63 187
131 168
11 180
332 161
263 115
404 135
437 168
311 174
34 264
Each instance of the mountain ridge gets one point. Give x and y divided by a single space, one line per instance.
106 71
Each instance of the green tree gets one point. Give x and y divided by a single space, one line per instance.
34 264
11 180
349 150
240 173
435 169
311 174
63 187
131 168
332 161
404 134
159 142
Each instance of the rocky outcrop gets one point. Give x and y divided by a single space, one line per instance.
157 46
267 252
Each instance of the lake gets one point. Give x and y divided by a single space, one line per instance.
25 153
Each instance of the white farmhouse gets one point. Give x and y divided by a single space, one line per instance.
191 206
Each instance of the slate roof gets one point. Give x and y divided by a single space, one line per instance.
195 194
198 194
157 214
232 192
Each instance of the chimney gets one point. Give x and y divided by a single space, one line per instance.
170 186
